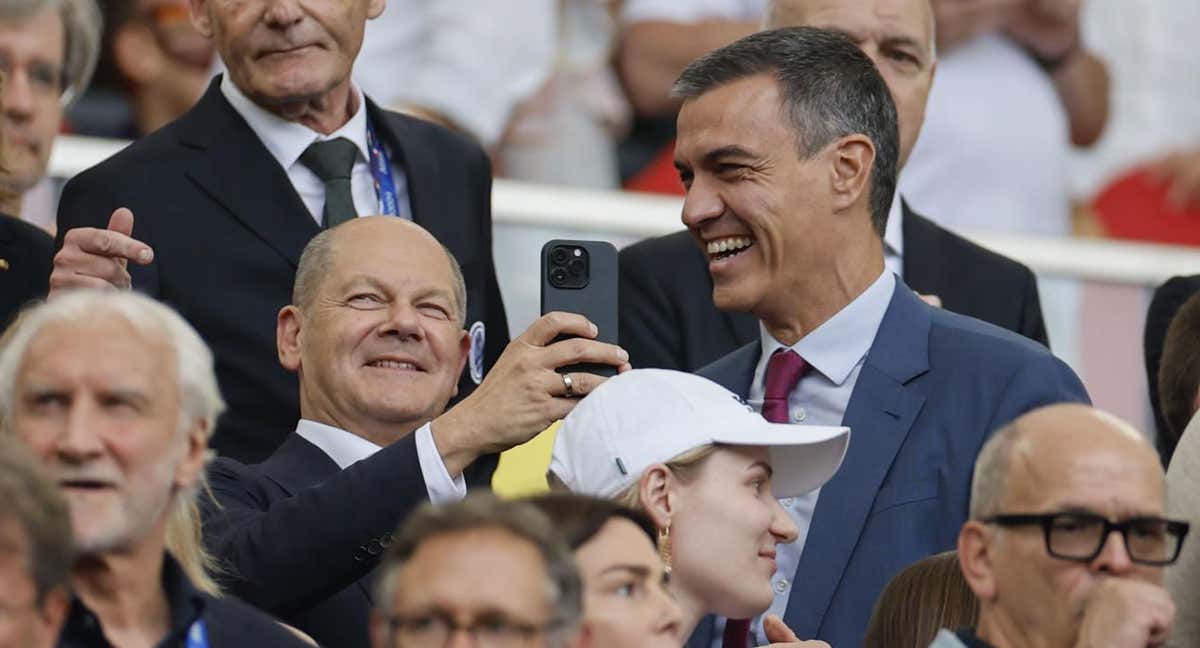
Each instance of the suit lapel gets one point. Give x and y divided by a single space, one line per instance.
298 464
736 370
880 413
236 170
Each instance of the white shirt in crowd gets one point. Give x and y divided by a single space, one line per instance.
345 448
470 60
992 155
287 141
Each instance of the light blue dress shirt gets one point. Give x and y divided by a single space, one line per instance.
835 352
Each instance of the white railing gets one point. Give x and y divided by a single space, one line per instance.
1094 292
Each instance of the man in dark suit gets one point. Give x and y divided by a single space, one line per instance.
25 252
227 196
788 147
668 319
377 338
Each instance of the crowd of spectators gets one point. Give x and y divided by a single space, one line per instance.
256 375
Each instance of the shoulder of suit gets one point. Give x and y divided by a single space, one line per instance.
979 337
963 251
25 234
440 137
229 617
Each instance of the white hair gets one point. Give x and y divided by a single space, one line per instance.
199 397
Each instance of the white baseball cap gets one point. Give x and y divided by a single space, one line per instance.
648 416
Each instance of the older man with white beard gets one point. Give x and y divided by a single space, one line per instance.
116 396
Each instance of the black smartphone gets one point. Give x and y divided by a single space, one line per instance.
581 277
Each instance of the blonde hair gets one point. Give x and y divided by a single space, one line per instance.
185 542
683 466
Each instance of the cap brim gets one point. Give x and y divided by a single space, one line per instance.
803 457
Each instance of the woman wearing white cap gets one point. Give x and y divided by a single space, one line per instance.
707 470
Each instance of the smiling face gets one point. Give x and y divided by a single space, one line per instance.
761 213
379 348
896 34
281 52
98 403
728 510
625 595
31 57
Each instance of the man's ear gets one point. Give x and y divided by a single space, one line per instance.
656 496
135 53
287 337
375 8
51 615
464 354
200 19
195 455
975 544
853 158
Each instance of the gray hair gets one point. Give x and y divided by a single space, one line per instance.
520 519
83 26
316 261
33 501
830 89
199 397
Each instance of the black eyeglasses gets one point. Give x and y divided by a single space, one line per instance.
1081 536
489 631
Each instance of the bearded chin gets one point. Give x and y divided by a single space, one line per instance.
144 506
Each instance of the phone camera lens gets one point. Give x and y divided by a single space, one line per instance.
577 267
559 256
558 276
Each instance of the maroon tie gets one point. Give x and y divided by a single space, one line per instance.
783 374
784 370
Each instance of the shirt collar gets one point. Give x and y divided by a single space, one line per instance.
835 347
345 448
185 604
893 234
287 140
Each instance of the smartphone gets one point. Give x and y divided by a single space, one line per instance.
581 277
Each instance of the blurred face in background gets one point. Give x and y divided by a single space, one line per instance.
25 622
32 53
626 602
164 59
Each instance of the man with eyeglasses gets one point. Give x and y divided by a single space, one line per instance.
48 49
489 570
1067 537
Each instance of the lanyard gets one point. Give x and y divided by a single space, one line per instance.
381 172
197 636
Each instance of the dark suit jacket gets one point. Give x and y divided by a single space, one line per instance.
668 319
933 387
227 229
27 252
299 538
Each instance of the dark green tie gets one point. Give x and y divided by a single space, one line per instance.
332 161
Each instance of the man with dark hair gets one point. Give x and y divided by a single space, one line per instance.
1164 304
788 148
35 551
497 570
668 319
1179 371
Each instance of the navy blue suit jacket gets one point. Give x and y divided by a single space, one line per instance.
933 386
300 539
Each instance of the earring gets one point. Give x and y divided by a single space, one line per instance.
664 548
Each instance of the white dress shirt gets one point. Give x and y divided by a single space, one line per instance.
288 140
346 448
835 352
